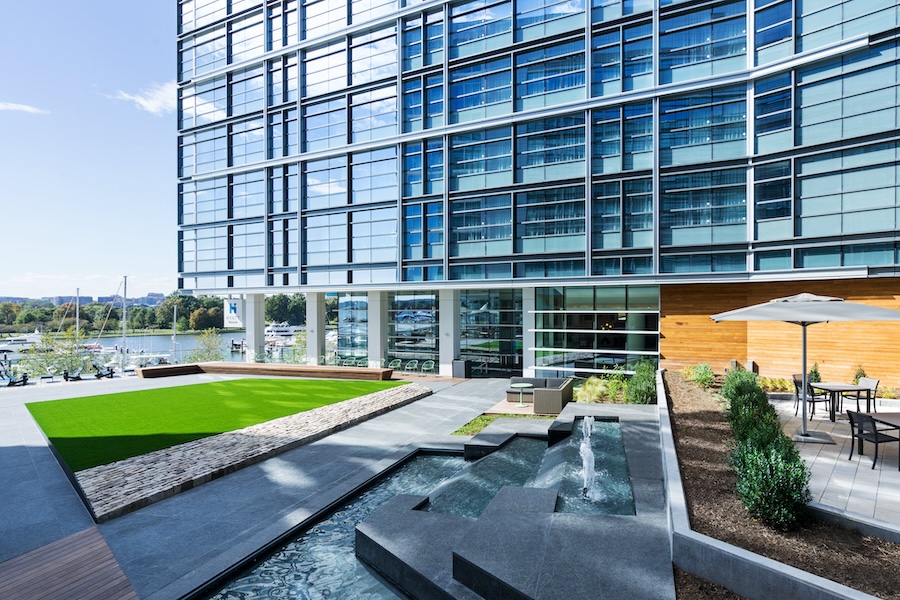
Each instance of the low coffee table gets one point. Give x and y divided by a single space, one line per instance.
521 387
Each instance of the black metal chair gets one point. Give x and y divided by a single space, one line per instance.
811 396
864 429
867 382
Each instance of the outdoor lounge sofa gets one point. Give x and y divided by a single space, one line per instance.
549 394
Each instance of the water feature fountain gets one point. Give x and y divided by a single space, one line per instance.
587 456
494 539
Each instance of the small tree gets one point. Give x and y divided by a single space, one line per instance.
53 356
210 347
813 376
858 374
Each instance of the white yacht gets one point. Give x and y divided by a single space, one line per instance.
20 343
281 334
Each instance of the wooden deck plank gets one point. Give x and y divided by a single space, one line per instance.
272 369
78 566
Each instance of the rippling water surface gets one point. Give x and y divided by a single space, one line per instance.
322 563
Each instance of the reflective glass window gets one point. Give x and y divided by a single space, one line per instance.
539 19
203 103
374 236
550 220
703 207
481 90
479 26
623 138
325 69
622 59
247 90
326 240
550 149
202 53
284 139
373 114
373 55
423 168
248 142
321 17
194 14
481 226
703 126
481 159
375 176
283 189
550 75
325 124
283 24
248 38
703 43
282 80
366 10
248 195
325 183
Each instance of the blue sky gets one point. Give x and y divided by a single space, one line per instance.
88 140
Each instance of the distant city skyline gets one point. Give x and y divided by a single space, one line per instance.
87 173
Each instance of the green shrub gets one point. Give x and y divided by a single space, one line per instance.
703 375
748 411
772 478
739 382
617 383
813 375
641 388
858 374
592 389
772 483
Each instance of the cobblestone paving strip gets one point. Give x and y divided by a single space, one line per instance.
130 484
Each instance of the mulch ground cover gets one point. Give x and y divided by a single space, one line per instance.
703 440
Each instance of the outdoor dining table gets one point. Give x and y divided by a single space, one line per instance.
835 389
891 419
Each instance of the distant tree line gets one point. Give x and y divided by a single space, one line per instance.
197 313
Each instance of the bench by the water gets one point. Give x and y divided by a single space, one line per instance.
284 370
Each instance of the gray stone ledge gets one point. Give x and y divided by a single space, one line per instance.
745 573
127 485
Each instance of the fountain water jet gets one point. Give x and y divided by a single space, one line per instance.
587 456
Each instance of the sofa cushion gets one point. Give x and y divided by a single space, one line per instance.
538 382
555 382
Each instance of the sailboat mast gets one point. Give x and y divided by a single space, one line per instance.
125 314
174 333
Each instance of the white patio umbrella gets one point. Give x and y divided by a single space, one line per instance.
808 309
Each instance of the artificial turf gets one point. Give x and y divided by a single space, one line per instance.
96 430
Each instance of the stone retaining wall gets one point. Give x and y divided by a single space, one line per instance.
126 485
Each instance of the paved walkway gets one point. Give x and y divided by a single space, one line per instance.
174 546
126 485
850 486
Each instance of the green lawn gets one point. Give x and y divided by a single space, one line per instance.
97 430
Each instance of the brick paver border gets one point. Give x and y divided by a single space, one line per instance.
127 485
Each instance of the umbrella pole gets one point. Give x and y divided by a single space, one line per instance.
805 385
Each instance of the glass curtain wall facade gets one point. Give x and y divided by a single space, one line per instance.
406 146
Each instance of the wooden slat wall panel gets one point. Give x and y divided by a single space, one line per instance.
689 336
78 566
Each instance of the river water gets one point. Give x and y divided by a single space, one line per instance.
183 344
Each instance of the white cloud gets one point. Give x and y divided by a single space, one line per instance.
22 108
157 99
